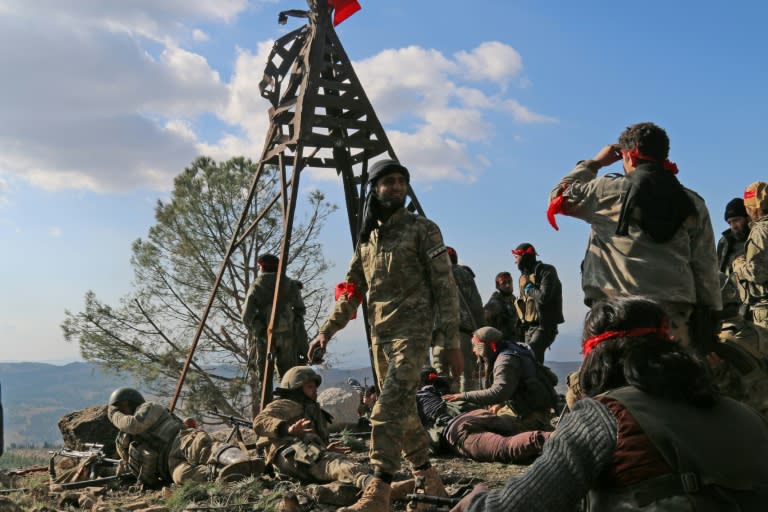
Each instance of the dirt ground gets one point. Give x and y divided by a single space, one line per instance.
31 491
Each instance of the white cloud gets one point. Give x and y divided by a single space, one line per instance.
491 60
199 36
89 106
55 231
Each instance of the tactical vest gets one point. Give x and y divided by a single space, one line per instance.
525 304
148 451
718 456
536 390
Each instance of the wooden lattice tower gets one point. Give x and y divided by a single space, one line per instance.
320 117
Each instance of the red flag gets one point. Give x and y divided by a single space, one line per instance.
343 9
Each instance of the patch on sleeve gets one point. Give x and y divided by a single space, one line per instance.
436 251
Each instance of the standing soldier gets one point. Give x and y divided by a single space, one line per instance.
540 306
650 235
500 309
731 243
289 340
401 263
751 270
471 308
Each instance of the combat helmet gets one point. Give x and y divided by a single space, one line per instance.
296 377
129 395
384 167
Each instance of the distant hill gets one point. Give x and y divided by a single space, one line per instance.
36 395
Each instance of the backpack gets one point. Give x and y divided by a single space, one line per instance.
536 390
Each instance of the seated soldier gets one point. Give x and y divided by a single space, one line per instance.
293 433
154 445
650 433
462 429
513 378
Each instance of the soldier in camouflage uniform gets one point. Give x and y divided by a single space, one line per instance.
154 445
289 340
650 235
500 309
471 308
751 270
401 263
293 434
740 363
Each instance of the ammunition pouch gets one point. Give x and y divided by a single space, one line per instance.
145 464
293 460
525 306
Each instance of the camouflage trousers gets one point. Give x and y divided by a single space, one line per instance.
287 351
760 315
190 456
395 426
330 467
485 437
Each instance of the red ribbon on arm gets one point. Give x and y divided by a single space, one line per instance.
348 291
343 9
555 207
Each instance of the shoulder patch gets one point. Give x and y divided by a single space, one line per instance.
436 251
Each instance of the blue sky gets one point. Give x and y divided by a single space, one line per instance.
488 103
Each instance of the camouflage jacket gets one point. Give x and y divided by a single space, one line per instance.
258 304
406 272
470 303
271 425
752 270
682 270
152 425
500 313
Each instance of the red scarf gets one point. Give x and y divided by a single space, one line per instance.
590 343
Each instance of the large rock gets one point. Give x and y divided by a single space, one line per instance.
342 404
90 425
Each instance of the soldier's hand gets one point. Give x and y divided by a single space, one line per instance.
609 154
301 427
452 397
464 503
339 447
320 342
453 361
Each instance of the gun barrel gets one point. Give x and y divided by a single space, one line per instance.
233 420
432 500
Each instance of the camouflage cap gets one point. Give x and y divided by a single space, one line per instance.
488 334
756 195
384 167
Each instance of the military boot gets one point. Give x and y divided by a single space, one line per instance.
336 493
375 498
433 486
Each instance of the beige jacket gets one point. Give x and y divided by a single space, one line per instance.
682 270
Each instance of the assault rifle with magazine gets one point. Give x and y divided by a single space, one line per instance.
92 462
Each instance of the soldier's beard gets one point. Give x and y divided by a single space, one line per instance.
387 208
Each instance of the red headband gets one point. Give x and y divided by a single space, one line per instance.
635 153
520 252
750 194
590 343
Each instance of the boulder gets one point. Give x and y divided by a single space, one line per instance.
343 405
90 425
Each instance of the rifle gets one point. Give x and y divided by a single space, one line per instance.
96 482
94 453
235 434
235 421
438 503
